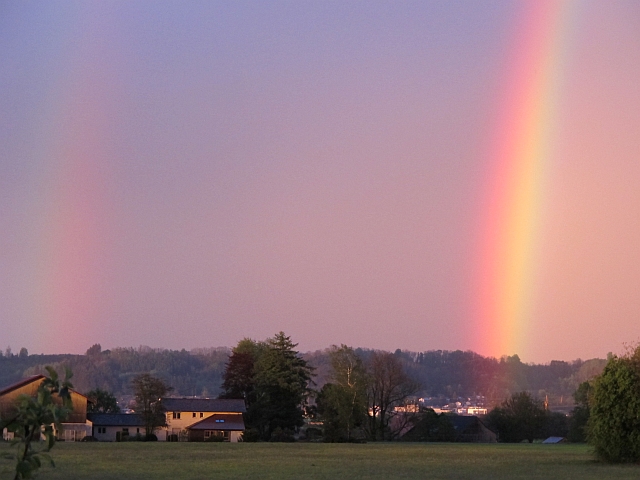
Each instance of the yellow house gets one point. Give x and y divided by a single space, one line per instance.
75 428
198 419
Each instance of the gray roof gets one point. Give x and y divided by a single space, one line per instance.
231 405
462 422
115 419
555 440
220 422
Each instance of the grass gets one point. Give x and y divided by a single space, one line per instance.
155 461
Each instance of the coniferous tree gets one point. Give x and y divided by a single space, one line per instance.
274 381
282 381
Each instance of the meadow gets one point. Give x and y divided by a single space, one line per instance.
155 461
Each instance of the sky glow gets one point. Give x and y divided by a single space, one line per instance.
414 175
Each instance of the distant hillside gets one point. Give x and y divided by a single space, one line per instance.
442 374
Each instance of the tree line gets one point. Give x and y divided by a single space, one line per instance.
357 402
443 375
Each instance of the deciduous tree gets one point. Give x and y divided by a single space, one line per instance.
342 403
239 372
614 422
148 391
580 414
519 418
389 386
101 401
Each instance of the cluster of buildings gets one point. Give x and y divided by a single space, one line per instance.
466 407
200 419
187 419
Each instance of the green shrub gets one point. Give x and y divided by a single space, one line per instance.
251 435
614 424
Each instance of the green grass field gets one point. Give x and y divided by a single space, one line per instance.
325 461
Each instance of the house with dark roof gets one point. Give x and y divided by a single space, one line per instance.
450 428
198 419
75 427
471 429
113 427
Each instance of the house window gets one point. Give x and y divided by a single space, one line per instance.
207 433
176 415
201 414
102 429
219 420
125 431
137 430
194 414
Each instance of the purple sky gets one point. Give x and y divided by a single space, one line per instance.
186 175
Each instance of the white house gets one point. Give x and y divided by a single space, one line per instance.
112 427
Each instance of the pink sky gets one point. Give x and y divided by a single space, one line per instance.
183 177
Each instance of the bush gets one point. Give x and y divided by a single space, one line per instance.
251 435
214 438
312 433
431 427
519 418
150 438
282 435
580 414
614 424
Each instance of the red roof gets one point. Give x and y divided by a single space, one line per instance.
219 422
21 383
27 381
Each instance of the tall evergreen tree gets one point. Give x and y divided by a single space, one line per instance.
274 381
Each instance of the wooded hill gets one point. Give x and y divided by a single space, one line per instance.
444 375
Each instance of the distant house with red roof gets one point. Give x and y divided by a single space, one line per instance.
75 427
